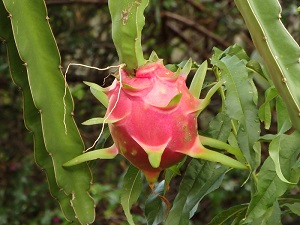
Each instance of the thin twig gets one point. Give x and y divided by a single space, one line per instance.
197 27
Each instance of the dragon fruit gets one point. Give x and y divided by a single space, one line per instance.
155 119
152 117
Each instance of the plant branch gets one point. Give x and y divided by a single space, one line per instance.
197 27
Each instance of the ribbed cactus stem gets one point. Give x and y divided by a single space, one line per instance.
277 47
127 23
37 49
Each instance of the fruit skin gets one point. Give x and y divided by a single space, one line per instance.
155 118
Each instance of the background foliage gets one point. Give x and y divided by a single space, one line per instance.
82 30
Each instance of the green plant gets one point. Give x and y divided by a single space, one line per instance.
237 122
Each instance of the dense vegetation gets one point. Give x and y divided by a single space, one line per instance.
82 30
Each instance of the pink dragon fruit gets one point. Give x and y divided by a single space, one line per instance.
155 118
152 118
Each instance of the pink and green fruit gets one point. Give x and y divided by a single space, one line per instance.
156 118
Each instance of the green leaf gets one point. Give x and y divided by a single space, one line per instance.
131 190
240 105
172 171
294 207
219 127
155 208
236 50
256 67
264 111
228 214
272 216
274 151
269 186
200 179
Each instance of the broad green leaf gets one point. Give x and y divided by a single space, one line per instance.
271 217
294 207
228 214
236 50
220 127
269 186
274 152
131 190
155 208
200 179
240 105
